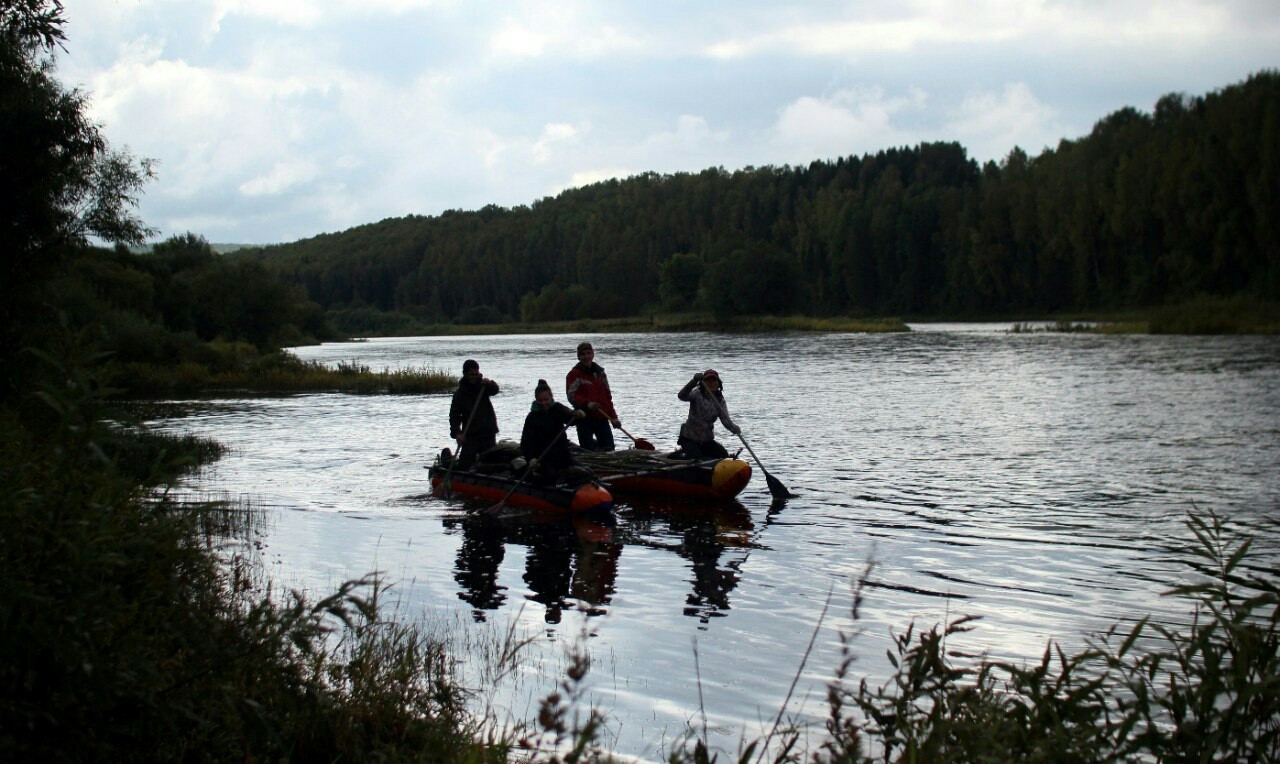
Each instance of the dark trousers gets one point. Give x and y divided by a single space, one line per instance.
595 434
708 449
472 447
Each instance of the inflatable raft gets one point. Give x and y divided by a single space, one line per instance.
645 472
494 486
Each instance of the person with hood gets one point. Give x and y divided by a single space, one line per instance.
587 389
705 395
472 421
543 442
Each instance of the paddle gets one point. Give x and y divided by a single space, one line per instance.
520 482
776 487
448 474
640 443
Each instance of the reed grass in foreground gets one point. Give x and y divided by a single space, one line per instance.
1151 692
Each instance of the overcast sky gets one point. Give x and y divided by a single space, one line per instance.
275 120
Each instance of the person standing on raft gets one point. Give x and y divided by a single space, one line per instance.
706 404
587 390
472 421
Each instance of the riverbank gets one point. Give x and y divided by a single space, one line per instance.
1198 316
280 372
392 324
1201 316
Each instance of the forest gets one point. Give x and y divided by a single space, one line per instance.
1148 209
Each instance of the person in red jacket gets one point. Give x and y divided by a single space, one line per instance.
587 389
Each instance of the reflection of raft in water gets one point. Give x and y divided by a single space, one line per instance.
645 472
493 486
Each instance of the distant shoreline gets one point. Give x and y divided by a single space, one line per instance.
1236 316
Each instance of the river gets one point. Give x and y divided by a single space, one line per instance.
1038 480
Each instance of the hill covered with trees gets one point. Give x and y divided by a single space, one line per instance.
1148 209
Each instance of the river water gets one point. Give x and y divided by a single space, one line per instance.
1038 480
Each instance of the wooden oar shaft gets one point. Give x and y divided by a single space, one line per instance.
776 487
639 443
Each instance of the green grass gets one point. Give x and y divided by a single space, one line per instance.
1213 315
680 322
1203 315
279 373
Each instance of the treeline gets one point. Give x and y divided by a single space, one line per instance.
1148 209
169 304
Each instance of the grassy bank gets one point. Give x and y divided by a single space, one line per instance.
279 372
660 322
1205 315
1199 316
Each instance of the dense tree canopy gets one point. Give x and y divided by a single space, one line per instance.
1146 209
62 183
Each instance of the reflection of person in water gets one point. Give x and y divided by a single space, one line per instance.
476 566
576 562
711 583
704 540
573 562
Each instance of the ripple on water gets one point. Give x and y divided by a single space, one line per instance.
1039 481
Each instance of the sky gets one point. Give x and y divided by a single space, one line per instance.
277 120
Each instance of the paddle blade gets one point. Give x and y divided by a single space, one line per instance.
645 445
776 487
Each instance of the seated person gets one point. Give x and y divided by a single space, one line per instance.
543 440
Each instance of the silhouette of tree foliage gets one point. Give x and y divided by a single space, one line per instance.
62 183
1146 209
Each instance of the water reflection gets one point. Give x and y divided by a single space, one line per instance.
572 562
1036 480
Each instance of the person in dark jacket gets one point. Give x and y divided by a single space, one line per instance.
543 442
587 389
706 405
471 419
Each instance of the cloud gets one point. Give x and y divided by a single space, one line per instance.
864 120
587 177
281 177
692 144
554 136
280 119
849 121
561 29
920 24
991 124
689 145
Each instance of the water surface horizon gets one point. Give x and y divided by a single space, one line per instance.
1037 480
